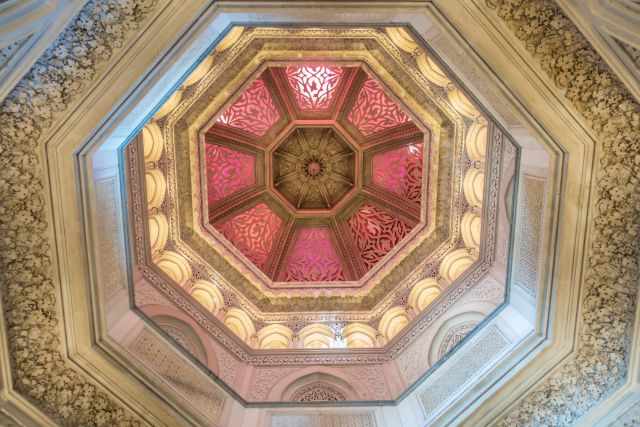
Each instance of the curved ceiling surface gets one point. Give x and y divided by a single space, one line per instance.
309 210
314 173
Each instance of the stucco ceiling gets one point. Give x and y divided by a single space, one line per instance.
132 153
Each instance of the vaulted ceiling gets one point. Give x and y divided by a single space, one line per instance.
242 214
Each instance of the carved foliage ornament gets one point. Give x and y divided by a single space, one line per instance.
59 78
600 364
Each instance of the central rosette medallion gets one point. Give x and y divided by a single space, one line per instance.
313 168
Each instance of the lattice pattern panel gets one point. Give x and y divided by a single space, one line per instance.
313 258
374 111
228 171
254 232
254 111
400 171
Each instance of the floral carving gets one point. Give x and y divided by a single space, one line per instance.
374 111
228 171
317 392
600 364
375 232
29 295
313 258
314 86
254 112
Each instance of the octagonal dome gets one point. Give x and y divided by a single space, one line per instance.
300 214
314 173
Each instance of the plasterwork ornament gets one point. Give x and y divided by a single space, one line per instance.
600 364
632 51
59 78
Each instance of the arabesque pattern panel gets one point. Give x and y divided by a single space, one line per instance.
375 232
374 111
253 232
254 111
314 86
313 258
400 171
228 171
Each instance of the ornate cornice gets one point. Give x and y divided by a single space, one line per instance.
600 364
63 75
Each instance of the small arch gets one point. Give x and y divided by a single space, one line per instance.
152 143
199 72
158 232
359 335
401 38
432 71
476 139
274 336
318 387
240 324
184 335
208 295
175 266
424 293
455 263
451 332
393 321
460 102
231 37
473 187
471 227
316 335
154 310
169 105
156 187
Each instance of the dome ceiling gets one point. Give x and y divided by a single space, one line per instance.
314 173
303 213
120 283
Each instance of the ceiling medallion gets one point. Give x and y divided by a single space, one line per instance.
313 168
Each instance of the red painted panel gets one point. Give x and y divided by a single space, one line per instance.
375 232
313 258
254 112
314 86
400 171
253 232
374 111
228 171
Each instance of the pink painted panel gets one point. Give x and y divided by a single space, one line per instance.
400 171
313 258
314 86
254 111
253 232
374 111
375 232
228 171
